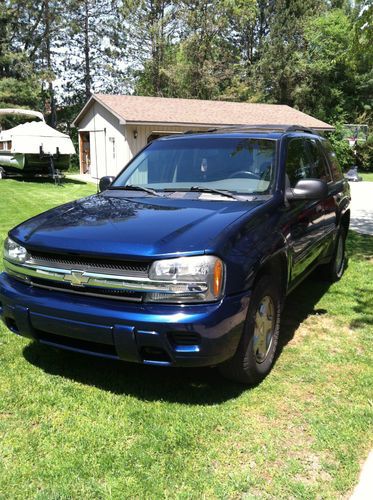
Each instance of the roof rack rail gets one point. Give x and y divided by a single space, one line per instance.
265 127
297 128
259 128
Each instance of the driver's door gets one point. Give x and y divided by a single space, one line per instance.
305 229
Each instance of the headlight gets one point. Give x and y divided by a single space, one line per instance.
188 279
15 252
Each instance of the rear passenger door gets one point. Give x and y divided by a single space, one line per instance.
306 226
337 194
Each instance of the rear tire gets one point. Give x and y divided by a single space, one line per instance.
335 269
256 351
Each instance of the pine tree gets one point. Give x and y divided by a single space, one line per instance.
278 70
150 26
92 51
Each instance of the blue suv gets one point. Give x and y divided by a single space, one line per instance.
186 257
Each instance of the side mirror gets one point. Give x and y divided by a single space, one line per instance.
105 182
308 189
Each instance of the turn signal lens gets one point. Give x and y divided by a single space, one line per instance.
218 278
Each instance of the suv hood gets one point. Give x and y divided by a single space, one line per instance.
118 225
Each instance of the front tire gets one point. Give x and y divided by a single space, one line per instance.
256 351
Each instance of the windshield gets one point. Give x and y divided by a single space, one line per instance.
237 165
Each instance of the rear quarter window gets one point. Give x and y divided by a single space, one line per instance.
333 162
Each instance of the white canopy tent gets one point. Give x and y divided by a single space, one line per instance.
27 138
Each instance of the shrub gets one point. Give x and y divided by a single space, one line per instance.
343 151
364 155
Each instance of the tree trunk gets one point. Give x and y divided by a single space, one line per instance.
87 66
48 58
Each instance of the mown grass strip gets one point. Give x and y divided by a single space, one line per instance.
76 427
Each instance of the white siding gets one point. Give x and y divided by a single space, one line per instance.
143 133
113 145
107 142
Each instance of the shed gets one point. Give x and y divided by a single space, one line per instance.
114 128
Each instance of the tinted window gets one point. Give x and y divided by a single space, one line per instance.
297 162
318 166
305 161
242 165
333 162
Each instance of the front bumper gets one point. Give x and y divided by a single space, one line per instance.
160 334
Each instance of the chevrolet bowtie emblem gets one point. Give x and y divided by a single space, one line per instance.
76 278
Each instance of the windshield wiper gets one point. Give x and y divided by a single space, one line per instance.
131 187
200 189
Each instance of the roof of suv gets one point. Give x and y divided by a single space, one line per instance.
262 131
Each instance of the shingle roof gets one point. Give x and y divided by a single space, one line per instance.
195 112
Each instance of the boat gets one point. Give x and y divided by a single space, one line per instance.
33 147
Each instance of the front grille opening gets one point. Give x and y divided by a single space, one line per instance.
154 354
84 261
12 325
71 343
90 290
184 338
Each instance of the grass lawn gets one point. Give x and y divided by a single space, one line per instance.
76 427
367 176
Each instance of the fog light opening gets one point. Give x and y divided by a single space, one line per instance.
154 354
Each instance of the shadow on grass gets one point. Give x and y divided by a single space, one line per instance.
47 180
199 386
196 386
359 246
299 305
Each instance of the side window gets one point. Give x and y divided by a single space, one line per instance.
333 162
297 162
319 168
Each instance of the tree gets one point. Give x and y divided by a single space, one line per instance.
327 66
19 85
150 26
188 48
362 49
91 49
279 70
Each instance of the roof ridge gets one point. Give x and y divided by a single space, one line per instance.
196 113
99 95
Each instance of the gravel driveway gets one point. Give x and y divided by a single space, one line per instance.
362 207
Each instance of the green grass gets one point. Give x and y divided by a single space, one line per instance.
76 427
367 176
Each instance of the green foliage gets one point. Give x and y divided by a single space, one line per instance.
313 55
328 76
344 152
19 84
279 69
364 154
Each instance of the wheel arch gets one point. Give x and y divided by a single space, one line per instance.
276 266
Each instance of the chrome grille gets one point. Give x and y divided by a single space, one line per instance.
91 291
128 268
